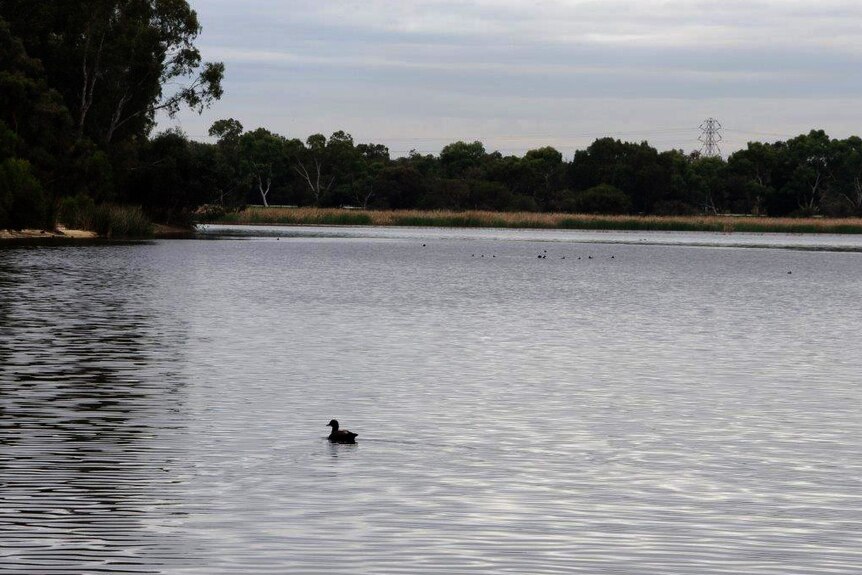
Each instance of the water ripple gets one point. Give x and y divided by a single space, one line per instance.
673 410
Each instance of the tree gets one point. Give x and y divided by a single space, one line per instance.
400 187
752 174
347 167
22 201
227 131
809 157
115 62
309 163
229 184
462 160
34 136
636 169
846 175
602 199
263 159
706 181
373 159
544 168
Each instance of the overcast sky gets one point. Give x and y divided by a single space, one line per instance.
418 74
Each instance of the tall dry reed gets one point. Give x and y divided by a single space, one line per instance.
484 219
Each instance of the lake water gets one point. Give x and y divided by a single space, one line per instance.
651 404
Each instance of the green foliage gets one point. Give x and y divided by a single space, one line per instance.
76 212
602 199
638 170
112 221
227 131
174 176
462 159
118 62
34 124
22 201
400 187
108 220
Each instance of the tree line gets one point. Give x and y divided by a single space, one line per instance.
81 84
808 175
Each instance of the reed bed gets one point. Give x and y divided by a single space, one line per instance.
107 220
483 219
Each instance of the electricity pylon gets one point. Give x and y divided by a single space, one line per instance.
710 137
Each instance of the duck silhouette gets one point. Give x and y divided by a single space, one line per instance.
340 435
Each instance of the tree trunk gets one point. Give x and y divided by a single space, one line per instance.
89 80
264 192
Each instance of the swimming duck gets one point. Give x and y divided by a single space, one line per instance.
340 435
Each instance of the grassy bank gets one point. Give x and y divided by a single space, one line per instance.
478 219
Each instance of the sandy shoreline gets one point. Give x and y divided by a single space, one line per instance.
60 232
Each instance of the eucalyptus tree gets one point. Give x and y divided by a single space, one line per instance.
462 160
808 158
35 130
544 167
264 160
372 159
847 174
635 168
117 63
333 169
229 185
754 172
310 162
400 186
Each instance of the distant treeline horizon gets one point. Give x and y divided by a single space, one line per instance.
811 174
81 84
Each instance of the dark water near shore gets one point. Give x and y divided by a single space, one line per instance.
655 409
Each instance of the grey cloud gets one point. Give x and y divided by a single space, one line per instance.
475 67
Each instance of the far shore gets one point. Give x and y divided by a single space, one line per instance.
529 220
61 232
286 216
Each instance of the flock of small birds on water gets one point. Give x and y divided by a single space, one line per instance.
544 256
541 256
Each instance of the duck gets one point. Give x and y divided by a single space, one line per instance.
340 435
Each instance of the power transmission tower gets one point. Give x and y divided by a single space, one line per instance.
710 137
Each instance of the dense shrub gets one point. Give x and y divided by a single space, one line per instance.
108 220
22 201
113 221
76 212
602 199
210 212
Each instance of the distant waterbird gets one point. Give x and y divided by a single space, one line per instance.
340 435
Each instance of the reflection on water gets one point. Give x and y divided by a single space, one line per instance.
81 468
671 410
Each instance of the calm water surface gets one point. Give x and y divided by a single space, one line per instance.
657 409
